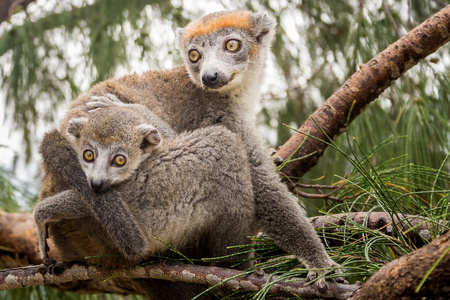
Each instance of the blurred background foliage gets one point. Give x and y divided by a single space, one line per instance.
397 162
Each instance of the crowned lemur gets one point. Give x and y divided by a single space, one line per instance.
219 84
182 189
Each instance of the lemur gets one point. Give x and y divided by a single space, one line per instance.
180 188
219 84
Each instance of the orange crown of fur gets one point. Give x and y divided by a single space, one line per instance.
210 23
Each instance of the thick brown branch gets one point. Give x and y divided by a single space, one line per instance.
362 88
38 275
18 240
400 278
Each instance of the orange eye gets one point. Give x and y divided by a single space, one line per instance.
119 161
233 45
88 156
194 56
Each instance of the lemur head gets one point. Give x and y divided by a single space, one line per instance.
111 144
226 50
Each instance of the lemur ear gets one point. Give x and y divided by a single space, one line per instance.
179 38
75 126
150 135
263 26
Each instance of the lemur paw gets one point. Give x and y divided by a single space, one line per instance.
320 275
49 261
99 102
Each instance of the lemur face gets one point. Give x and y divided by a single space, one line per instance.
222 51
220 59
105 165
111 144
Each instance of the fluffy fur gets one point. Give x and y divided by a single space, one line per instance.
187 192
186 101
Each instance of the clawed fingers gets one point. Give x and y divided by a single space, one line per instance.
339 279
99 102
321 283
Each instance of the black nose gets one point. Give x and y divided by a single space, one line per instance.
97 185
211 79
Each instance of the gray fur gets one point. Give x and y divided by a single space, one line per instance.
187 192
62 167
180 98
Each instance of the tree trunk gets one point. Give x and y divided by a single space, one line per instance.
333 116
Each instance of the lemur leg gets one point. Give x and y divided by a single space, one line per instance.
65 205
281 217
106 207
232 232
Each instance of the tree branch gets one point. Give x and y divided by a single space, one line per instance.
400 278
362 88
377 220
18 240
64 273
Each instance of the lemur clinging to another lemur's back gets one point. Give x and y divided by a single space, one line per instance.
219 83
180 188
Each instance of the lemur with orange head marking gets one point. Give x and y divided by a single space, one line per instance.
219 84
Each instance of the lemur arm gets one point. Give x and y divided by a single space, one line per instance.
106 207
64 205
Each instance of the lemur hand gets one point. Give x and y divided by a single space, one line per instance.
99 102
320 274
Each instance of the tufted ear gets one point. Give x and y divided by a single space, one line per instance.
179 34
263 26
150 135
75 126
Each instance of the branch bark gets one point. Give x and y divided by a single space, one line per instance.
400 278
362 88
65 273
418 228
18 240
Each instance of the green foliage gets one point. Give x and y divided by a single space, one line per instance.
7 197
13 195
328 43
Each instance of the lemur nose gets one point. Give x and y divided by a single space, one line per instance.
97 185
210 79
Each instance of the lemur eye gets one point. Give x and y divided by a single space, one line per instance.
194 56
119 161
233 45
88 156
